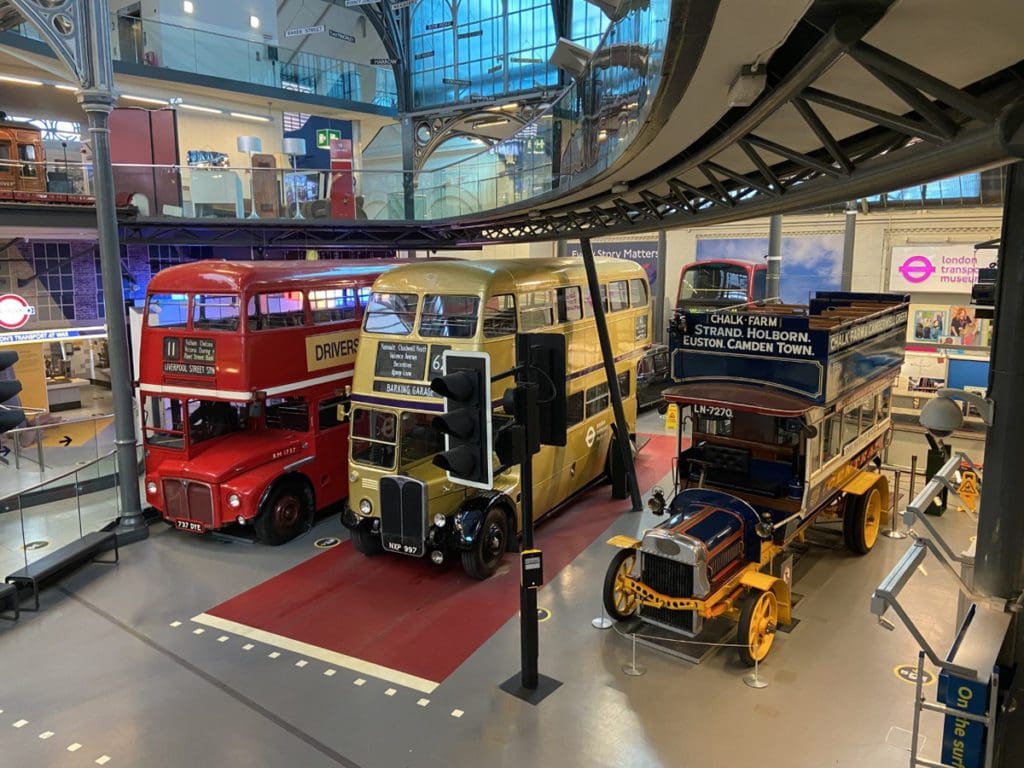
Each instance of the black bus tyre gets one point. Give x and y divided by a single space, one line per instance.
484 556
285 514
618 603
365 541
759 620
862 521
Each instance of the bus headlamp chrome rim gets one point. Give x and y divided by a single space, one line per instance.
365 507
234 500
151 488
440 520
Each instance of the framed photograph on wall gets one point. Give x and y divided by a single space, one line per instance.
928 323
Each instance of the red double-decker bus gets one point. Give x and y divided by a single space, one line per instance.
721 283
244 378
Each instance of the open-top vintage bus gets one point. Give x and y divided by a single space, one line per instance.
790 411
416 312
244 375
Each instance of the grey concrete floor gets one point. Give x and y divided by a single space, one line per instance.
113 663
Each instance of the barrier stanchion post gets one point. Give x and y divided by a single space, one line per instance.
633 669
894 531
602 621
752 680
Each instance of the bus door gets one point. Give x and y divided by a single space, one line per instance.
332 447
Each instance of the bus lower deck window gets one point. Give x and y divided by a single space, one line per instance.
290 413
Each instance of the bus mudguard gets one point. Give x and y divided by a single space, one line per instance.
471 514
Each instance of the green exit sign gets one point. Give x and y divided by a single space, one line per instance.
324 136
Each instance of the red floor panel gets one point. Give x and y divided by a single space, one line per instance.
409 615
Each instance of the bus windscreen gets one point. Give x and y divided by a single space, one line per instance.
391 313
715 282
452 317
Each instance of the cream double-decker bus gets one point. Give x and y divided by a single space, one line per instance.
398 500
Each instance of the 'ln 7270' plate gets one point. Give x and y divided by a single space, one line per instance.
188 525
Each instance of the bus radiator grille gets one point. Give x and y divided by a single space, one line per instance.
672 579
188 500
403 515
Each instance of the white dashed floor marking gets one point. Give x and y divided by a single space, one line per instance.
175 624
457 713
301 663
359 681
223 639
102 760
46 735
248 647
20 723
198 631
423 702
390 692
74 747
330 673
273 655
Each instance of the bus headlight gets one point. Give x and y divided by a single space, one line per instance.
365 507
440 520
353 476
151 488
234 500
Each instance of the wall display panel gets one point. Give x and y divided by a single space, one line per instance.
922 373
928 323
809 262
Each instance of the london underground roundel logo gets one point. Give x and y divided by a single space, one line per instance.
14 311
917 269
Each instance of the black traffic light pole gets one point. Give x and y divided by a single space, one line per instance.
621 428
529 642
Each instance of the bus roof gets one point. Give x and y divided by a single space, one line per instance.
216 276
726 262
426 274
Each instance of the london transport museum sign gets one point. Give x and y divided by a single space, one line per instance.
937 268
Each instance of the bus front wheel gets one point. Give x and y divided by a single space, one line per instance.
285 514
365 541
862 520
484 555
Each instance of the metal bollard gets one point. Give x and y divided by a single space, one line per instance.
894 531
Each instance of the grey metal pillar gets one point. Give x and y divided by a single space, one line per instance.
78 31
408 169
601 321
774 256
97 105
660 323
849 233
999 561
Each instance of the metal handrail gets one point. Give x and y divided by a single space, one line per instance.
62 422
74 470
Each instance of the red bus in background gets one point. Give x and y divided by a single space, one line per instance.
721 283
244 380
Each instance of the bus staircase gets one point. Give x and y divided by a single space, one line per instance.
75 524
968 688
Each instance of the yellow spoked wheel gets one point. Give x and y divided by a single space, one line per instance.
618 601
759 621
862 521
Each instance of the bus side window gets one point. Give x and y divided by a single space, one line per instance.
570 308
333 305
500 316
638 292
5 156
330 413
597 399
276 310
574 408
537 309
27 153
290 413
588 304
832 437
618 296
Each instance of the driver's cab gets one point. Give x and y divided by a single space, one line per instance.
755 455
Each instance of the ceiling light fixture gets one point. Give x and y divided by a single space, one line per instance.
188 7
143 99
257 118
196 108
19 80
254 22
491 123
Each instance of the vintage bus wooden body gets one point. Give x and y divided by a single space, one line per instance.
400 501
790 408
264 353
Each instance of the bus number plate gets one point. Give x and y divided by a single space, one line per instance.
405 549
188 525
712 412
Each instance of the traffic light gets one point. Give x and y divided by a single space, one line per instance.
11 416
542 356
466 422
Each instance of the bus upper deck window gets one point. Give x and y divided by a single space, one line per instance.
618 295
276 310
215 313
452 317
638 292
167 310
537 309
500 316
333 306
570 306
392 313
